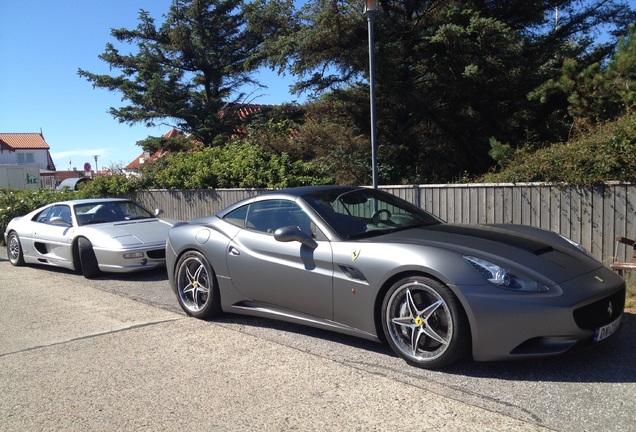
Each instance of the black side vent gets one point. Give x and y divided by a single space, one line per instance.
353 273
157 254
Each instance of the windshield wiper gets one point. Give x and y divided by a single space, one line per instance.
381 231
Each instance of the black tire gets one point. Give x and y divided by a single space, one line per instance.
14 249
424 323
88 260
196 287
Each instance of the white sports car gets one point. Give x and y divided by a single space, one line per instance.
91 235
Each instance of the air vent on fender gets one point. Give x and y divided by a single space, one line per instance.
353 273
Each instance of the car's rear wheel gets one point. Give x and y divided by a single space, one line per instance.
14 249
424 323
88 260
197 291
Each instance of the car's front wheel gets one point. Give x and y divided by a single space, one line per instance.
88 260
197 291
14 249
424 323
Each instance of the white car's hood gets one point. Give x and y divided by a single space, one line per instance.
130 233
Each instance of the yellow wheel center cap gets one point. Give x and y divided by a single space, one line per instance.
195 284
419 321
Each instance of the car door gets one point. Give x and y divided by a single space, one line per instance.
51 234
287 274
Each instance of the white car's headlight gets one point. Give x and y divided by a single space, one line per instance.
502 278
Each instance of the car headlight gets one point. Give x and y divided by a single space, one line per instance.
502 278
131 255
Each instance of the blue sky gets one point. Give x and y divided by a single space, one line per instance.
43 43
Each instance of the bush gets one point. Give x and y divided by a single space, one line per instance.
606 154
239 164
108 186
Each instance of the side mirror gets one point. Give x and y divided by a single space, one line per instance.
293 233
158 212
58 221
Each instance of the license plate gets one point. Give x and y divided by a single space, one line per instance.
606 331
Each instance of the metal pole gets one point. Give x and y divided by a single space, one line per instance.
374 157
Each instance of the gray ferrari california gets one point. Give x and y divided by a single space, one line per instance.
366 263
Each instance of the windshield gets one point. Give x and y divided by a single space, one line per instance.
114 211
358 213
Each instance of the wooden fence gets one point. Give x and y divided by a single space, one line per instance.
592 216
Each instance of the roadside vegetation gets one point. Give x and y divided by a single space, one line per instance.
464 90
606 153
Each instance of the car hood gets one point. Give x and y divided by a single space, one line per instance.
531 250
145 231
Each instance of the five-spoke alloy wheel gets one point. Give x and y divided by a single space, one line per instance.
197 292
424 323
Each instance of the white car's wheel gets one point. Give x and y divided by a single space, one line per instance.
88 260
14 249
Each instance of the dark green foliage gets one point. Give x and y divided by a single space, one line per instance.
333 142
173 144
185 71
449 74
239 164
607 154
500 153
454 79
597 92
109 186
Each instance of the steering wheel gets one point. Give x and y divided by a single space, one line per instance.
376 218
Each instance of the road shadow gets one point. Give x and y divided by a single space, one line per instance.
151 275
612 361
311 332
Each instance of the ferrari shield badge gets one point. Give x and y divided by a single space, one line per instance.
355 254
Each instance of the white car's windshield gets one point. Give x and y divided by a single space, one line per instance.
115 211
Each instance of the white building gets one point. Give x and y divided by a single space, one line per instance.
25 149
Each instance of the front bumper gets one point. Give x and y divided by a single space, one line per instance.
113 261
508 325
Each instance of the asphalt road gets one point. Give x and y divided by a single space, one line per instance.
117 353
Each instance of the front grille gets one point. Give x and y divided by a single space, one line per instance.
157 254
602 312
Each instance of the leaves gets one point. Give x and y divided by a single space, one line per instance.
607 154
184 71
239 164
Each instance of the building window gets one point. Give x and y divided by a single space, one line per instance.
26 158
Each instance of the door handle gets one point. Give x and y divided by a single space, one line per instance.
234 251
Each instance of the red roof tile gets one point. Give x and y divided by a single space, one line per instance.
242 111
24 141
136 164
144 158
